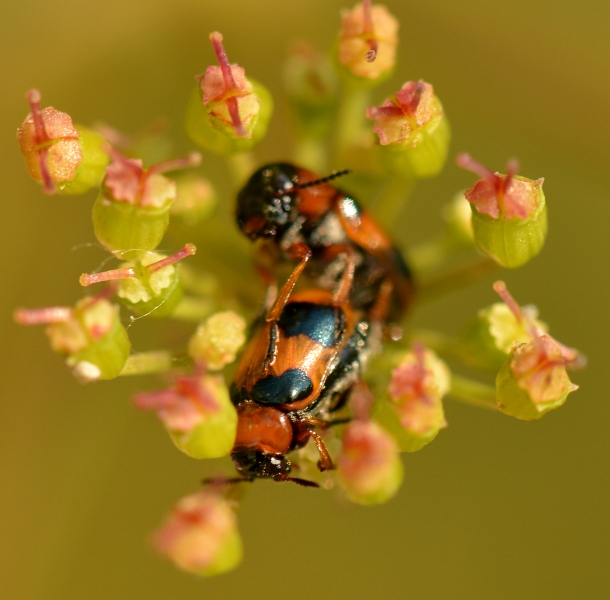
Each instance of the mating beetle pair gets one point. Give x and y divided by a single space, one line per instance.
308 350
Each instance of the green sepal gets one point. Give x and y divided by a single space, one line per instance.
215 435
109 353
229 556
91 171
516 402
423 154
126 229
211 134
407 441
511 242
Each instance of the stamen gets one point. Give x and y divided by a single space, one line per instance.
512 167
89 279
190 160
465 161
38 316
230 85
41 136
188 250
502 291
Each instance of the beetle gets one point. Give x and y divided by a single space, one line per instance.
294 212
303 357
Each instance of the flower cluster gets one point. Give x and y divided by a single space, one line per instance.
333 383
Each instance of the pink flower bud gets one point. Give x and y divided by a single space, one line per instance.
227 94
197 413
368 466
502 196
400 117
368 40
49 144
417 387
200 535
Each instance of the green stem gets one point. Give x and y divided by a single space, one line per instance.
148 362
194 309
473 392
388 206
351 119
430 287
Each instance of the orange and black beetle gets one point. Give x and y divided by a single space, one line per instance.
296 211
302 358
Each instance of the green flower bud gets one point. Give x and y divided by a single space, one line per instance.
131 213
458 218
368 467
197 413
200 535
413 131
227 113
311 86
414 414
90 336
218 339
509 218
367 44
196 199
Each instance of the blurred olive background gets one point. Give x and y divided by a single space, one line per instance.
494 508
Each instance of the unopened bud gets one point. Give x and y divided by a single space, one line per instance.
197 413
218 339
508 213
200 535
90 336
414 414
367 41
227 112
369 467
413 131
131 213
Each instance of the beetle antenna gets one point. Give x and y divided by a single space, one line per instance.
224 481
297 480
326 179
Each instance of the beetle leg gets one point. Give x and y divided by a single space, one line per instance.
304 253
341 294
325 463
381 309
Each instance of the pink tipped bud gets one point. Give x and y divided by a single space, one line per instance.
128 181
198 414
534 380
368 40
417 386
227 93
49 144
501 196
400 117
368 466
200 535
